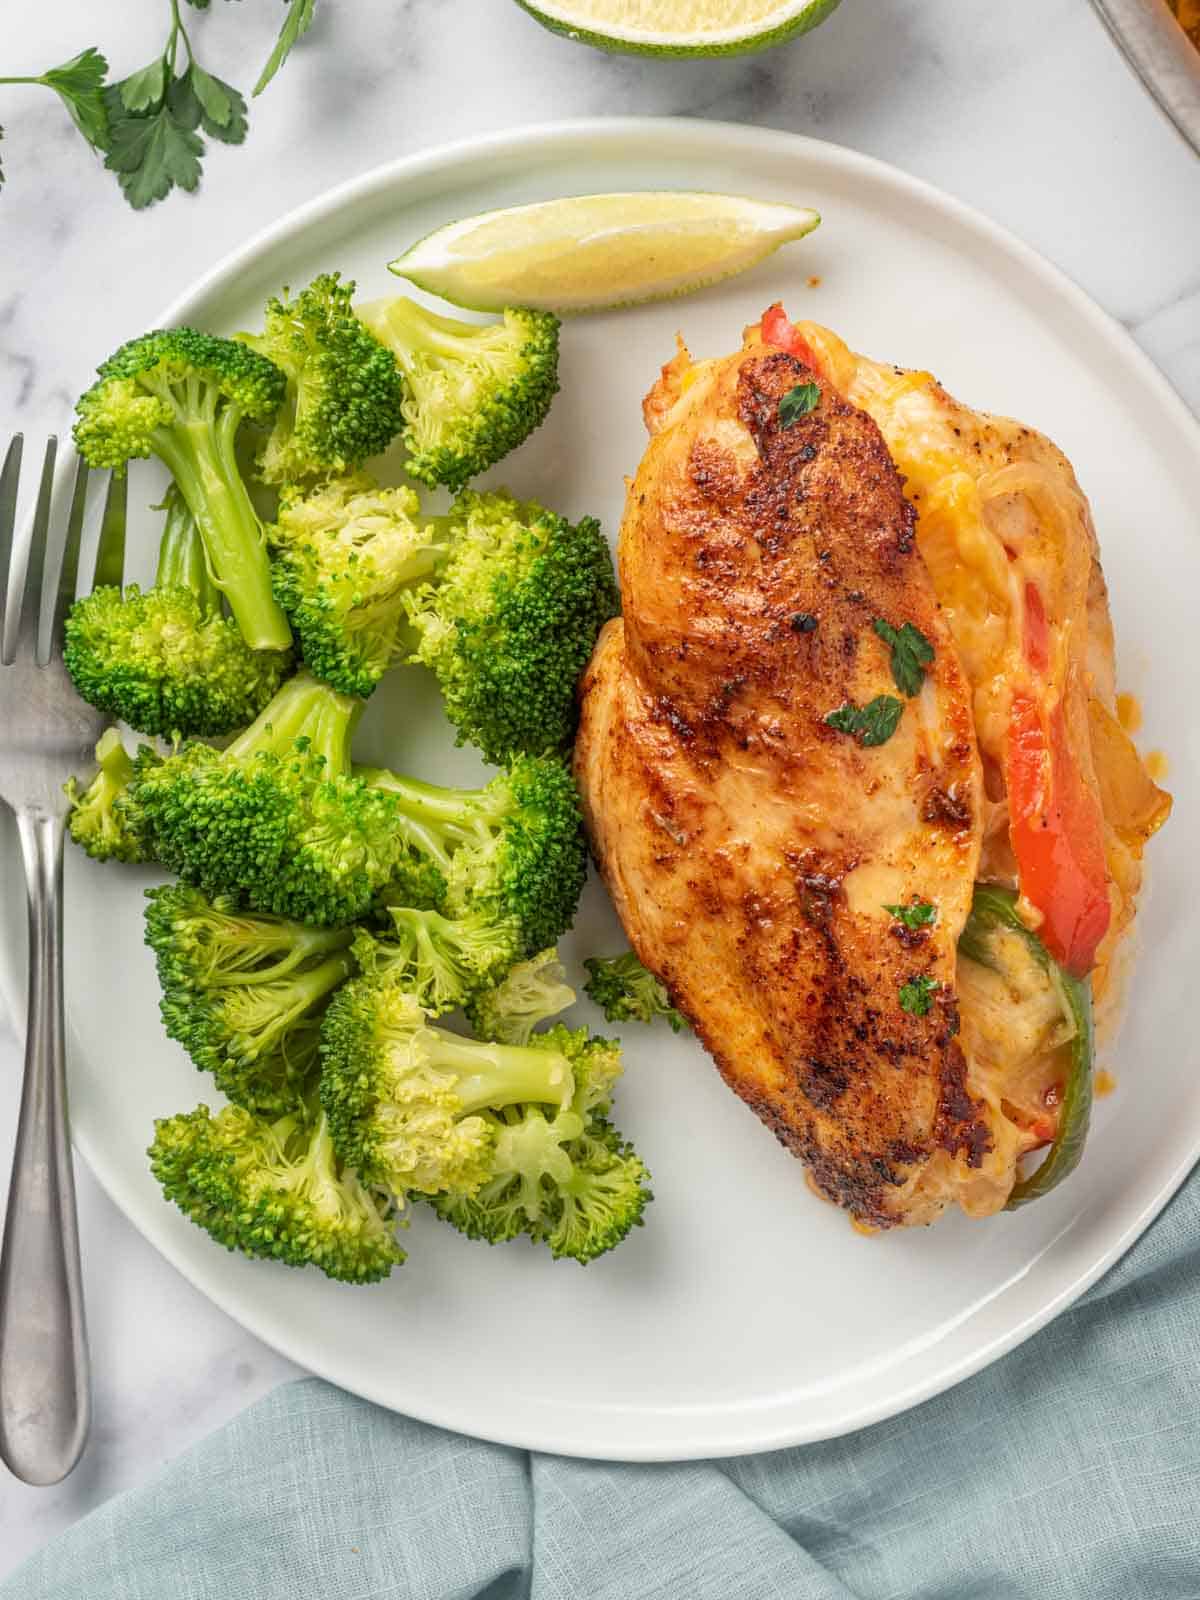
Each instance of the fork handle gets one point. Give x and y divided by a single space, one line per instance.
45 1399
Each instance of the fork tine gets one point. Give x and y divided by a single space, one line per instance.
21 622
9 477
110 552
69 569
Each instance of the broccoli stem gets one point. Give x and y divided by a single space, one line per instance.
296 945
181 559
199 452
493 1075
257 1011
418 331
435 820
115 766
303 709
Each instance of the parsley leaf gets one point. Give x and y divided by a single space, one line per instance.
142 90
920 914
797 403
911 654
297 22
872 724
223 111
155 151
916 996
79 84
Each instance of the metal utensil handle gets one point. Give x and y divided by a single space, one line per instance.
45 1400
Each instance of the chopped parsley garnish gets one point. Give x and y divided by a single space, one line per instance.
797 403
920 914
916 996
804 622
911 654
872 724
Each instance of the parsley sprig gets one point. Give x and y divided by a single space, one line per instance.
918 914
916 996
911 654
797 403
872 724
150 127
79 84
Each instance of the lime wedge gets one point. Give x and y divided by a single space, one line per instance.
597 250
681 27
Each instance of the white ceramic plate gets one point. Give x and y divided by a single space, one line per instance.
745 1315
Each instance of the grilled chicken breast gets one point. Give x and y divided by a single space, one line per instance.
763 778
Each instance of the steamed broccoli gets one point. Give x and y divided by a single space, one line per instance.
569 1181
276 818
441 961
97 820
578 1189
345 557
244 993
532 991
513 850
512 621
181 395
475 390
275 1189
404 1098
344 390
166 660
626 992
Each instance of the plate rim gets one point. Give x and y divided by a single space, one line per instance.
669 1434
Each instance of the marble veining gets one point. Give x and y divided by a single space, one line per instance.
1024 109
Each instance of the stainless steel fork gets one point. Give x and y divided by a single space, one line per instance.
46 735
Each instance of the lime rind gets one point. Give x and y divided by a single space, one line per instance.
747 43
509 257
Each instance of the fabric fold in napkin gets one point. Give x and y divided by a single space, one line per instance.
1068 1471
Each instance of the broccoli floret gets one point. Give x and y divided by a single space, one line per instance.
569 1181
345 557
475 391
165 660
344 389
404 1098
626 992
276 818
512 621
515 849
442 961
181 395
275 1189
532 991
244 993
578 1191
595 1063
98 822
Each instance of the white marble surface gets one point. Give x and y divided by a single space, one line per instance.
1023 109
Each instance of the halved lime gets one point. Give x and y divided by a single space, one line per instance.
681 27
588 252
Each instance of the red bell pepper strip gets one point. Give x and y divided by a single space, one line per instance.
1055 821
777 330
1057 832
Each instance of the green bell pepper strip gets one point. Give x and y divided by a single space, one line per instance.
994 908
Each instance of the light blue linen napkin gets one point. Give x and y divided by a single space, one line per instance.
1068 1471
